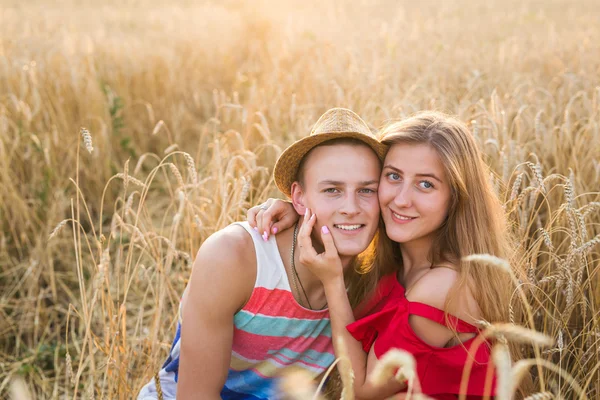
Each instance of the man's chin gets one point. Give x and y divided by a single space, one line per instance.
351 251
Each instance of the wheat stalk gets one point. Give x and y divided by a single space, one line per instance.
191 168
19 390
517 334
298 384
502 362
397 360
346 372
58 228
489 260
87 139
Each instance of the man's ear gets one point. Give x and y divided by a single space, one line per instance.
298 198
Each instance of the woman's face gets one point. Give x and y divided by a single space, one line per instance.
414 193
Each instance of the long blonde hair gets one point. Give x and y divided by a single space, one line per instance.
476 221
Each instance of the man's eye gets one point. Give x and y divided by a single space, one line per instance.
331 190
368 191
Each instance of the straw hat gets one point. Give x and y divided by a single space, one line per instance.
336 123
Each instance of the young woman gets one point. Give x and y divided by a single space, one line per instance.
437 206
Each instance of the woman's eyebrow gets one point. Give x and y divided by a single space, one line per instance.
430 175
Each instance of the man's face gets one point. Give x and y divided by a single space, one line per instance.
340 187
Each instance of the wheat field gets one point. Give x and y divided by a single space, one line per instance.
131 130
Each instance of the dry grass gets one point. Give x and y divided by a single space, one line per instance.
188 106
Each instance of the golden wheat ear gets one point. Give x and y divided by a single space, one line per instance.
19 390
405 366
298 384
518 334
346 372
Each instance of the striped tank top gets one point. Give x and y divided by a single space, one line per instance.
271 331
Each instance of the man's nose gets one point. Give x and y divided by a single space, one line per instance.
350 205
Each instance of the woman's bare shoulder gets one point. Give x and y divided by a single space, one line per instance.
435 287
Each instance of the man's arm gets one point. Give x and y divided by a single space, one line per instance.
222 281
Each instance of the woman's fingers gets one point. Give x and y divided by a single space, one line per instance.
287 219
254 217
330 249
274 216
260 224
260 217
279 215
251 217
307 251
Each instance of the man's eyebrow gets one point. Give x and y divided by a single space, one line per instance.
331 182
371 182
341 183
400 171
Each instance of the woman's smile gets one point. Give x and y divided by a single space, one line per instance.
413 193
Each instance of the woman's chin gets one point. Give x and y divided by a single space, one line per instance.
399 235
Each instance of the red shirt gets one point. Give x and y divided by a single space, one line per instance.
439 369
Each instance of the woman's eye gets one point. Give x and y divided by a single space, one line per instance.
426 185
393 176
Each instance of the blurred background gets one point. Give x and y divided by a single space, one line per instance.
186 106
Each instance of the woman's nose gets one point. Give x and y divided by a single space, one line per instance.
403 197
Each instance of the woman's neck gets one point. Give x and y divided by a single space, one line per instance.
416 254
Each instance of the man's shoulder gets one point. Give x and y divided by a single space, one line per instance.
224 266
227 255
229 245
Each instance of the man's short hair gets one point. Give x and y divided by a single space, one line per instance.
332 142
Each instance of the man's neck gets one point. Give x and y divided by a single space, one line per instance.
311 283
311 279
307 280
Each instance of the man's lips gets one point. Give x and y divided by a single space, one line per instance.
348 227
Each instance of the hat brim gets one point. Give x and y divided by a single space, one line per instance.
286 168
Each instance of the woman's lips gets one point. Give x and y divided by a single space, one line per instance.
402 219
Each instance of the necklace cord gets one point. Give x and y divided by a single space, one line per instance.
295 275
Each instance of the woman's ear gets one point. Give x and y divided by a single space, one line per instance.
298 198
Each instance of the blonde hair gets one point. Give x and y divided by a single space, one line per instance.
476 221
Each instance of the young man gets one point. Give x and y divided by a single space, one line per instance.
251 307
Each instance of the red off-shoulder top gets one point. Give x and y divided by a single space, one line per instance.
439 369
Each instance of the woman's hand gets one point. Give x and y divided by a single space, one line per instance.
327 266
273 216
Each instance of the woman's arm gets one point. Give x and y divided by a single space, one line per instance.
341 315
273 216
328 268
